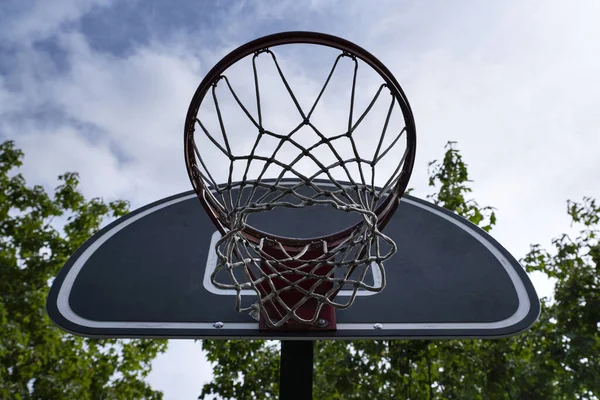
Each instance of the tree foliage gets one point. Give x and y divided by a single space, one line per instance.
558 358
38 232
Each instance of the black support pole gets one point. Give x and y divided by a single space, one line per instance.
296 370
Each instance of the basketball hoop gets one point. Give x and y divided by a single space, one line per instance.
300 171
296 279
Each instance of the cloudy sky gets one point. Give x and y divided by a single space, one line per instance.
102 87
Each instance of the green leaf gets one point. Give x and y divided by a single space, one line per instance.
38 360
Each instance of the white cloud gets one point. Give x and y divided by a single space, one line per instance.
38 19
138 103
182 371
95 160
134 108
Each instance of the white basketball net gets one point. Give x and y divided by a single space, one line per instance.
316 271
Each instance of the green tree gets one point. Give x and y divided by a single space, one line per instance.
569 331
557 359
38 360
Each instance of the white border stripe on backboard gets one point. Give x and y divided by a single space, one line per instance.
65 290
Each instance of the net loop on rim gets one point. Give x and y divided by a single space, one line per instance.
294 278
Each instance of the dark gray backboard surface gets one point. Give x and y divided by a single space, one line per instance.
145 276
